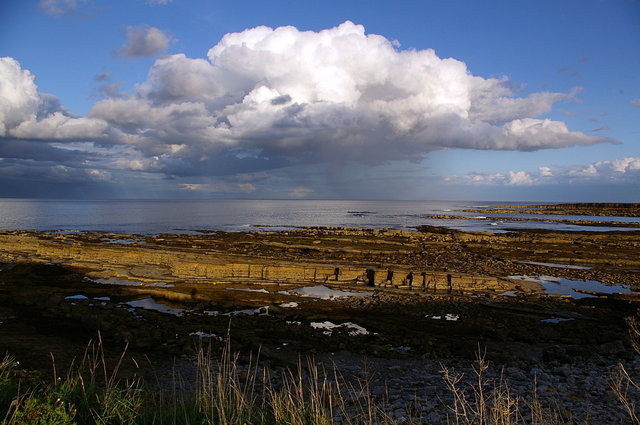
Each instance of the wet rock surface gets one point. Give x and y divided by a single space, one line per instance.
166 295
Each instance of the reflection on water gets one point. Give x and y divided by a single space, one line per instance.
261 290
127 241
555 320
76 297
151 304
561 286
328 328
127 282
188 216
561 266
114 281
324 293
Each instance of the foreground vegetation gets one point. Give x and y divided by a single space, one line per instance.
91 393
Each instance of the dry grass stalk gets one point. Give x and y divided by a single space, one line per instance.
624 386
489 403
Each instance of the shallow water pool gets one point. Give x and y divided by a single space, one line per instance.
561 286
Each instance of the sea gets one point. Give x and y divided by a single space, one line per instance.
158 216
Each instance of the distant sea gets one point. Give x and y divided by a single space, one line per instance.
188 216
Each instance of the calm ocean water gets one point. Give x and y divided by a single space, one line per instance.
184 216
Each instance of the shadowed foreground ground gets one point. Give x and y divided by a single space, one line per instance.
399 304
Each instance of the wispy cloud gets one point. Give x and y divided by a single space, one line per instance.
78 9
57 7
300 192
569 71
113 90
144 40
219 187
103 76
241 183
622 170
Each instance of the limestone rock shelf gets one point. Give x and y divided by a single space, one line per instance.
204 258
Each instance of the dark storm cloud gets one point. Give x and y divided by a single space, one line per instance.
39 151
281 100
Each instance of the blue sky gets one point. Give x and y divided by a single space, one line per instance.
500 100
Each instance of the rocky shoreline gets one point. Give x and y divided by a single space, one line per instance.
591 209
591 223
400 306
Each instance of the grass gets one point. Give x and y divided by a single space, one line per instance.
624 385
225 394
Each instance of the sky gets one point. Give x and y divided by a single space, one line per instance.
514 100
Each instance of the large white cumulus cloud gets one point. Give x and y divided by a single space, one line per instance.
265 99
286 96
19 98
37 134
25 113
